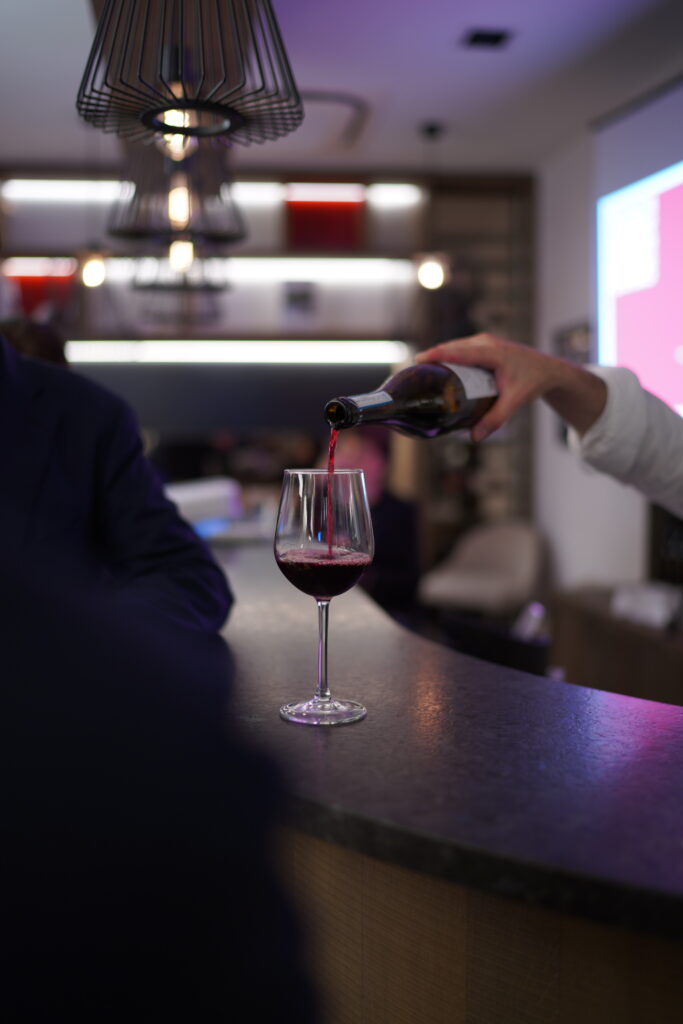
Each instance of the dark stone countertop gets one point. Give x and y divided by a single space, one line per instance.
555 794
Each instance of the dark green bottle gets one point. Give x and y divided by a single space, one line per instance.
423 400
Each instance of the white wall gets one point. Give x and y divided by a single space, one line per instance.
597 528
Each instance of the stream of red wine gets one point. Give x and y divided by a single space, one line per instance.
334 433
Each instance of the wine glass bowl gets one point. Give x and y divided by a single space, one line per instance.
323 543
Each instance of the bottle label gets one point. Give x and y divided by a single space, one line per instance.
372 400
478 383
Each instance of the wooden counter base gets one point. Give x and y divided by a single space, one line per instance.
392 946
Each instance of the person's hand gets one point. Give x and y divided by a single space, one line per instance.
523 374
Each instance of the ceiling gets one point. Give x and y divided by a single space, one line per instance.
568 62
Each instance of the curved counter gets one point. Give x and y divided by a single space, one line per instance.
558 796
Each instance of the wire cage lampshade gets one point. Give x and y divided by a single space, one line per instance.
163 200
202 68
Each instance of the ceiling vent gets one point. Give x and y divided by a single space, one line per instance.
487 38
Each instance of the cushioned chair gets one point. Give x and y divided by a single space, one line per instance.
493 569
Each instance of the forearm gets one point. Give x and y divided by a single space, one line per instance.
575 394
638 440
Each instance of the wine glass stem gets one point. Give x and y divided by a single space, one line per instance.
323 689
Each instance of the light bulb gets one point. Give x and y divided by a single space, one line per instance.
430 274
179 203
180 255
177 147
176 118
93 272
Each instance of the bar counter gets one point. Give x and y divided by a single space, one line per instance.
485 800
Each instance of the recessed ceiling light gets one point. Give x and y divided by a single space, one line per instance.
487 38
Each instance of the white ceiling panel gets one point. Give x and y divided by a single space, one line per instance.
567 62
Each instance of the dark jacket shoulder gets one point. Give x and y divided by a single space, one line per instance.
62 385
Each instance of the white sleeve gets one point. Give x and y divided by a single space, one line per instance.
638 439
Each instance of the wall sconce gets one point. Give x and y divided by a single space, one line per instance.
432 271
93 270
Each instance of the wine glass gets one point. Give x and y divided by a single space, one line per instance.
323 543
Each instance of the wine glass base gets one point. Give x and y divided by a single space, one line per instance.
323 712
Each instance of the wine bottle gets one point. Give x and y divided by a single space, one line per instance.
423 400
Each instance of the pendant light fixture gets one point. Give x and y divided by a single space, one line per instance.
163 200
199 68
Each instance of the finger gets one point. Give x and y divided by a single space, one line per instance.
492 420
448 349
475 350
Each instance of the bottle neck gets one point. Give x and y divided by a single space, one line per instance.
341 413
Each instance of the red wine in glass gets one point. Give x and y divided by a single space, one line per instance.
324 574
323 543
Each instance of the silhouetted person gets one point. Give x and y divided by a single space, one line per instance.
35 340
75 483
135 826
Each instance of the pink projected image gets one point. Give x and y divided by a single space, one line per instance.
640 279
650 322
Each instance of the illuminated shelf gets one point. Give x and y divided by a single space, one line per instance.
189 352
